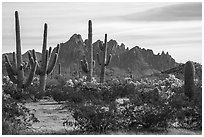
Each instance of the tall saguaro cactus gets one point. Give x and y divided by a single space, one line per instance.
87 66
46 66
189 75
16 71
105 60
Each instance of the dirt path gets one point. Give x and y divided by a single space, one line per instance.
51 116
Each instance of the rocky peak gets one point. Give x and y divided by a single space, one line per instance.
71 51
122 46
113 43
115 48
75 39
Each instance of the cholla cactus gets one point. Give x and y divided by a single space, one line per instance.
46 66
189 76
87 66
104 62
16 71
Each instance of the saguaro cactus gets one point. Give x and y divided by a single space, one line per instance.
104 61
87 67
59 68
46 66
189 75
16 71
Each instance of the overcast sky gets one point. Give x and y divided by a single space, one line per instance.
171 27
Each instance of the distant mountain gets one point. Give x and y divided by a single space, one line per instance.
137 60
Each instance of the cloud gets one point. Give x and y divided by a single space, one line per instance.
176 12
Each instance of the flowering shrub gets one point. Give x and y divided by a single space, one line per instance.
8 86
157 103
15 117
31 92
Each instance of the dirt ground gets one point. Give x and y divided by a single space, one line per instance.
50 115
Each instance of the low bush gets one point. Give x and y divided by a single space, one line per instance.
15 117
145 104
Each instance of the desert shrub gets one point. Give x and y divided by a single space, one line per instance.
188 114
95 118
15 117
146 104
10 88
32 92
58 80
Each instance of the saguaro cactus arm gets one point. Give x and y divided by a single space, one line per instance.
34 55
38 70
10 73
108 60
84 65
14 63
101 46
52 63
31 74
12 70
58 49
50 50
59 68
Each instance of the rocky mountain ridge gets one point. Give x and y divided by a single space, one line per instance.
138 61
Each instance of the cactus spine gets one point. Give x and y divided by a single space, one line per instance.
46 66
87 66
16 71
189 75
104 61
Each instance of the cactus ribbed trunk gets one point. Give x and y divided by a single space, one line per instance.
20 73
90 52
103 65
43 79
43 76
104 60
43 82
189 76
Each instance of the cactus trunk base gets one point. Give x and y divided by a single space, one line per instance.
43 79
